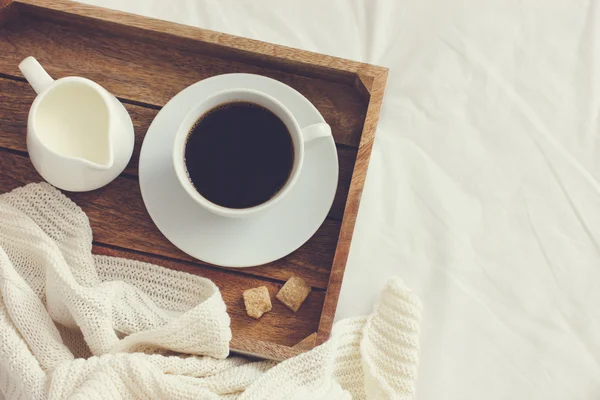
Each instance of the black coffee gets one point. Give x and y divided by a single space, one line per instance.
239 155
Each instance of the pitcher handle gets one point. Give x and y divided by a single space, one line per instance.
35 74
314 131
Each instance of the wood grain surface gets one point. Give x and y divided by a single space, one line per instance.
307 343
6 11
146 72
216 44
145 62
351 212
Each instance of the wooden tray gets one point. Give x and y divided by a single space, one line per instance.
145 62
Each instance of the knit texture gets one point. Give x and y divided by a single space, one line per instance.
78 326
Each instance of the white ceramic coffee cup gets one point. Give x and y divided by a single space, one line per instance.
299 137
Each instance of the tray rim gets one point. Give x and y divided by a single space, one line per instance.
369 79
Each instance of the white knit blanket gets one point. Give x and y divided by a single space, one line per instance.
78 326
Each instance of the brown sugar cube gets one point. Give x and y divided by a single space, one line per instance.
257 301
293 293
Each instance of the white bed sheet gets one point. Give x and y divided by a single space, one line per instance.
483 190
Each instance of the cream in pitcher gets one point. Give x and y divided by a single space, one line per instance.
79 136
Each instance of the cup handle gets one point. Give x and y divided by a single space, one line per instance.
315 131
35 74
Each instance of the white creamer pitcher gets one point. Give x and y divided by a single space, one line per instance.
79 136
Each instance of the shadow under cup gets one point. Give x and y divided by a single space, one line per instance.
238 142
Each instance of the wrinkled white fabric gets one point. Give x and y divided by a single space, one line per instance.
78 326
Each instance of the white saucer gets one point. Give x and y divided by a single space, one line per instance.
236 242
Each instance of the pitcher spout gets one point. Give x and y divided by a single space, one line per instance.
98 166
